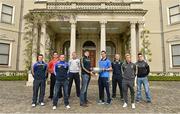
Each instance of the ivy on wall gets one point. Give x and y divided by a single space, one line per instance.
36 19
145 49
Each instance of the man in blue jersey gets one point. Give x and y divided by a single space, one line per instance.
61 73
39 71
103 81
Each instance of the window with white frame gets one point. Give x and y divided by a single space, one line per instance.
175 55
4 53
7 14
174 14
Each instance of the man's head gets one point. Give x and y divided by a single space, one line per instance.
40 57
103 54
55 55
86 53
62 57
128 57
117 57
140 57
74 55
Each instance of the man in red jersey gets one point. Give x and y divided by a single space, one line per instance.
51 64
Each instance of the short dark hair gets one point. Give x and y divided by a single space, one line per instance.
103 51
86 50
40 55
139 54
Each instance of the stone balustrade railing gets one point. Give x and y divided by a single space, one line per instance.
87 6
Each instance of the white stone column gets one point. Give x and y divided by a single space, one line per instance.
103 35
141 28
34 54
43 40
73 37
133 42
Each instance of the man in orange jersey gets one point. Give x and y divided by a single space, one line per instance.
51 64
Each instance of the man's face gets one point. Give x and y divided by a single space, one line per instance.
103 54
55 55
86 53
40 58
128 58
74 55
140 57
61 57
117 57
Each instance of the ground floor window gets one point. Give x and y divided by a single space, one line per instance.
175 55
66 50
4 53
110 50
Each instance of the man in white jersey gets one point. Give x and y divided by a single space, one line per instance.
74 69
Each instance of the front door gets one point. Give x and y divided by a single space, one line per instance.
92 56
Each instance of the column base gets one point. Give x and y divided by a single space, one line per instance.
30 79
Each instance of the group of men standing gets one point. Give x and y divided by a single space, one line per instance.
63 73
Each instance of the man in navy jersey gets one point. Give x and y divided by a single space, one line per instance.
61 73
39 71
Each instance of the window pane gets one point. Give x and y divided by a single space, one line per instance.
176 60
175 18
4 59
6 18
175 49
174 10
7 9
4 48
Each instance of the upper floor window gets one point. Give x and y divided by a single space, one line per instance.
7 14
174 14
175 55
4 53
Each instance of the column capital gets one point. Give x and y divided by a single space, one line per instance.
73 22
103 22
133 22
141 24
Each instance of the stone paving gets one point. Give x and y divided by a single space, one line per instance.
15 97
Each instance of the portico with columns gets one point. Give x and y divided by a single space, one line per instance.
94 26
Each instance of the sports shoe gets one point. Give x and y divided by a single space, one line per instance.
42 104
33 105
83 105
54 107
124 105
68 107
101 102
133 106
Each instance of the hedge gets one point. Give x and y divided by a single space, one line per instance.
151 78
164 78
14 78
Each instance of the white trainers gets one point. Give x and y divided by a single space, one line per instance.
68 107
54 107
133 106
33 105
101 102
124 105
42 104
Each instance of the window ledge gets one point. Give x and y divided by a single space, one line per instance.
7 23
172 24
5 66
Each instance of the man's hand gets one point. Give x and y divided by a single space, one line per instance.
92 74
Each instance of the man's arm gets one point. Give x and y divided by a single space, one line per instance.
32 69
147 69
55 69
